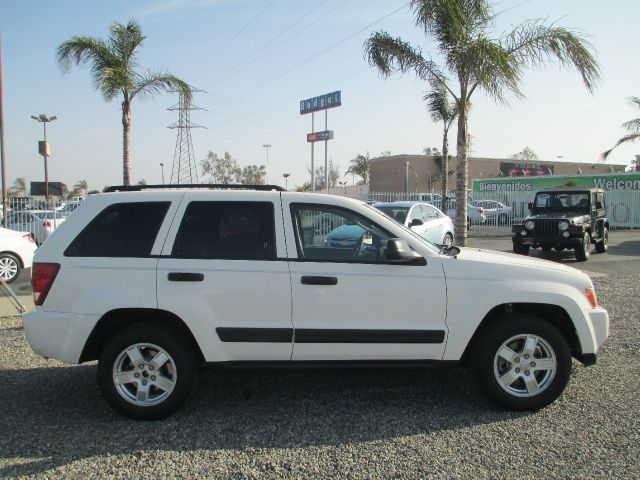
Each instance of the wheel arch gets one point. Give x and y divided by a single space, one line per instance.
14 254
554 314
116 320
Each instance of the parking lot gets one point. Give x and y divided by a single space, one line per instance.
346 424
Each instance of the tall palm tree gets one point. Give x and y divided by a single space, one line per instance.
81 185
360 166
632 126
477 59
113 68
442 110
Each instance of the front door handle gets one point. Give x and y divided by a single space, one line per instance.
185 277
311 280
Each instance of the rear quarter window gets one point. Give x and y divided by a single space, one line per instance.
120 230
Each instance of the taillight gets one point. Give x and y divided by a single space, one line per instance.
481 210
42 277
46 224
27 236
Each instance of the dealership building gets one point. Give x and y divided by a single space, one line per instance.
422 173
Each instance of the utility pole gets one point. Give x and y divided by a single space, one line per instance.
2 160
162 167
44 119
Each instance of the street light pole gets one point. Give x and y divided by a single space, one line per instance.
44 119
286 180
162 167
267 146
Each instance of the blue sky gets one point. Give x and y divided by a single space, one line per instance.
257 58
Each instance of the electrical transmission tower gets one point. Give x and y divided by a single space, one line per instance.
184 169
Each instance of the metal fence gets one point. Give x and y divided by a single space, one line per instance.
32 216
623 208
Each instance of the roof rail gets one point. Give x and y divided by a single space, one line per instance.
208 186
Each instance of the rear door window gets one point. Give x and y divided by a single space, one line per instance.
227 230
120 230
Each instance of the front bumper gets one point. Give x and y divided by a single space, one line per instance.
599 326
58 335
537 240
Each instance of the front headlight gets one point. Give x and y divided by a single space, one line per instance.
529 225
563 225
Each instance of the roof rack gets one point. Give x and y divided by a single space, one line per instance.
208 186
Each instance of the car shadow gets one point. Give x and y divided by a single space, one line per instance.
62 416
627 248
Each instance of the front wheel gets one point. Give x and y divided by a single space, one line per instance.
603 245
522 362
521 249
583 251
146 372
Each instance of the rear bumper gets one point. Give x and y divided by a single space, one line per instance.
58 335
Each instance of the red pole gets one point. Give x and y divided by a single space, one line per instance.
2 160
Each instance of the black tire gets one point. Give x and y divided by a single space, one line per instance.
546 248
584 250
521 249
487 364
603 245
10 267
503 219
181 367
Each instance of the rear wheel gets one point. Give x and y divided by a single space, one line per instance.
522 362
584 250
603 245
146 371
9 267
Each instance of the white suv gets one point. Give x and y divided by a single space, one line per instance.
154 283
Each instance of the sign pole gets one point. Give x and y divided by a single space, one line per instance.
313 172
326 168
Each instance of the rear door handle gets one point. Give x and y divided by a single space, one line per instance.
311 280
185 277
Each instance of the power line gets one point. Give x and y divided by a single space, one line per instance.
277 76
233 37
249 57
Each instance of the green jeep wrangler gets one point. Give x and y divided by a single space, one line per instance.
565 217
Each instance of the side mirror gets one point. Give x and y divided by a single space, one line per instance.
398 251
416 222
530 205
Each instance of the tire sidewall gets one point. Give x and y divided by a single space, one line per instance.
169 340
500 331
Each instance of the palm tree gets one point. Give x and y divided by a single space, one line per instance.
360 166
477 59
632 126
442 110
113 68
19 186
81 186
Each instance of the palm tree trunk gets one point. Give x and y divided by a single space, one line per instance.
461 174
126 142
445 167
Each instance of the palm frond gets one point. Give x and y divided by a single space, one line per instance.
532 44
632 126
81 50
439 106
633 137
124 39
152 83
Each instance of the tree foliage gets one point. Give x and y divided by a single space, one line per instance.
360 166
225 170
19 187
474 57
334 176
113 66
526 154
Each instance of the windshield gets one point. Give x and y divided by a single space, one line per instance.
399 214
408 230
562 201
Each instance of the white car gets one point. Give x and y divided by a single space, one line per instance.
16 253
40 223
497 212
424 219
475 215
154 283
